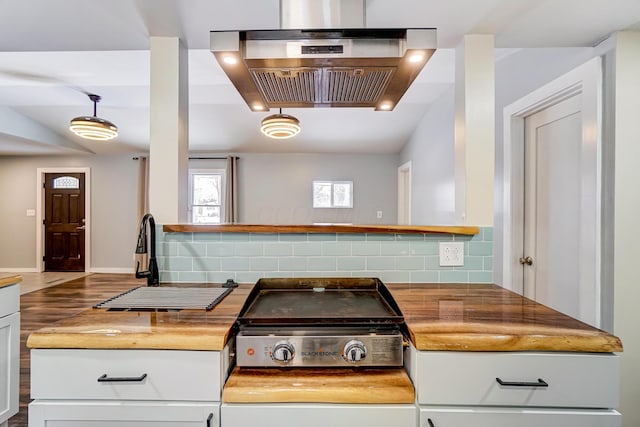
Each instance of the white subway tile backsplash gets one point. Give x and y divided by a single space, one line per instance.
264 264
234 237
178 264
365 248
424 276
235 264
395 248
322 264
292 264
350 263
395 276
307 249
278 249
192 276
220 249
245 257
454 277
206 264
410 263
249 249
480 277
381 263
336 248
427 247
191 249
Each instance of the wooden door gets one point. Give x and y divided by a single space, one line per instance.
560 262
64 222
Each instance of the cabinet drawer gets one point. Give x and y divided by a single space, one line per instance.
510 417
317 415
9 300
574 380
170 374
131 414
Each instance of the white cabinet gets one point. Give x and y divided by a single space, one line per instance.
317 415
126 388
512 417
9 351
130 414
126 374
524 389
568 380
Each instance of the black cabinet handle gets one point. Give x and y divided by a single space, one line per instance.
430 422
105 379
539 383
209 418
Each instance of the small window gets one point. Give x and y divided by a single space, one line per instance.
206 196
66 182
332 194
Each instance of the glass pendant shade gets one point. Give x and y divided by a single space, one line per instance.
280 126
93 127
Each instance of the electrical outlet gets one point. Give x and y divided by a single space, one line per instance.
451 254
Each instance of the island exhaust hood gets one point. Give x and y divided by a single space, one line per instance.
322 67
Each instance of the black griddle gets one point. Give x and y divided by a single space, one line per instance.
320 301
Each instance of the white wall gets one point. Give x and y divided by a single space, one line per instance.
627 205
113 209
274 189
277 188
431 152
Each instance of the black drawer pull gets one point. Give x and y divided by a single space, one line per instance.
539 383
106 379
209 420
430 422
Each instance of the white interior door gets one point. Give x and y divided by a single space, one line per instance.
560 258
404 194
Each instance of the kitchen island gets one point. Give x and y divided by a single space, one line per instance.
448 320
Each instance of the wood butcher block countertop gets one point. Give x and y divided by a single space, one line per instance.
169 330
344 385
482 317
9 279
445 317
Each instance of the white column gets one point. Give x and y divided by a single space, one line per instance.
475 130
169 152
627 206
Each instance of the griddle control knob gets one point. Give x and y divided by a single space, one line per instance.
283 352
354 351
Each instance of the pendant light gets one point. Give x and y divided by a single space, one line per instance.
93 127
280 126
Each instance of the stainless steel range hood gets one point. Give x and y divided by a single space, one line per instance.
327 67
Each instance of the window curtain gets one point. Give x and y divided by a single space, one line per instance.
231 191
143 204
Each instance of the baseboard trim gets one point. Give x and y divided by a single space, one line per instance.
112 270
19 270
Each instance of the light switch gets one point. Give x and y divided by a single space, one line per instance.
378 214
31 212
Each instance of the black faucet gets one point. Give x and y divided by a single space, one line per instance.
153 278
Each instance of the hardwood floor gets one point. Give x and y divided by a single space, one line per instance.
46 306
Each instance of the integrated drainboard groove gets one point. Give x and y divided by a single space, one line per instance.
164 298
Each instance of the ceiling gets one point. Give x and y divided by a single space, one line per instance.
52 52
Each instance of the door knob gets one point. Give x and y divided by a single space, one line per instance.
526 260
82 227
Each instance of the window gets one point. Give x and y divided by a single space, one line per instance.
332 194
66 182
206 195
